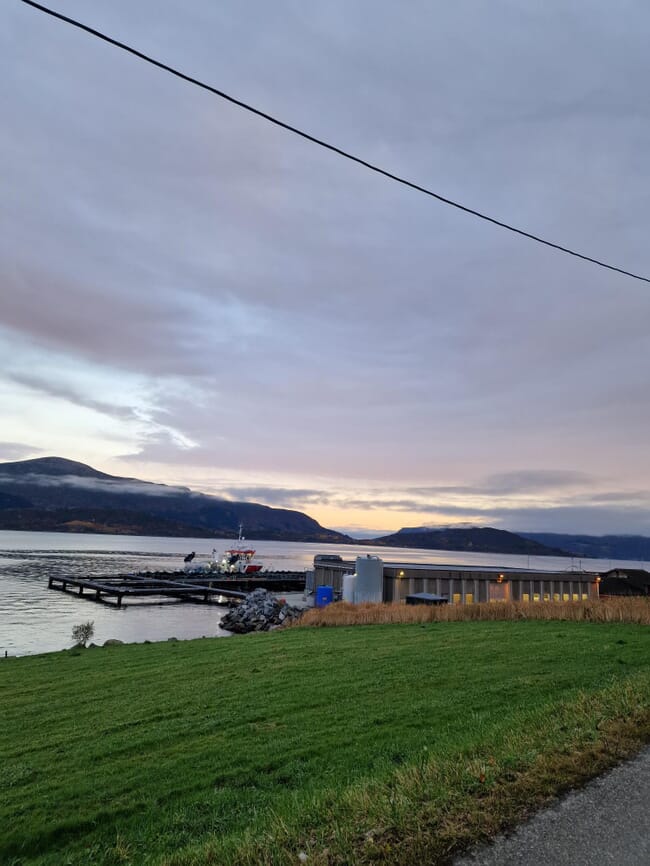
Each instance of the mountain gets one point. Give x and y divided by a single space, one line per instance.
635 547
54 494
478 539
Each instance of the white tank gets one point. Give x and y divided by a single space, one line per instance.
349 587
370 579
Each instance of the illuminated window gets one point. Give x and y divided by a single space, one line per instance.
535 596
576 597
456 598
547 597
585 596
525 597
469 598
565 596
556 596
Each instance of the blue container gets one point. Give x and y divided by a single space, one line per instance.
324 595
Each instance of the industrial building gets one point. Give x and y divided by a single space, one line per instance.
626 581
458 584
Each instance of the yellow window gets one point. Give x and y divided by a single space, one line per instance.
547 597
525 597
556 596
585 596
469 598
456 598
576 597
535 596
565 596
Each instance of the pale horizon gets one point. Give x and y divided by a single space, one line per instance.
329 506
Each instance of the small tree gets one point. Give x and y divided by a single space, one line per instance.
82 633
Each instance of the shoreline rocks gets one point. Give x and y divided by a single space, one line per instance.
259 611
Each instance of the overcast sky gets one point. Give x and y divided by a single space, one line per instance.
193 296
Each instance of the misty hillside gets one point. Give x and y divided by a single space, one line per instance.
636 547
478 539
54 494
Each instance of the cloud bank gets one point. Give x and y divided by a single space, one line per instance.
188 292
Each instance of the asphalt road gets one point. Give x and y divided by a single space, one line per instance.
606 823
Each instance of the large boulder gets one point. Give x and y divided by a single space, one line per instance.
259 611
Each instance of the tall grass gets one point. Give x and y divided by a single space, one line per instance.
627 610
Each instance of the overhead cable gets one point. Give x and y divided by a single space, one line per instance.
325 144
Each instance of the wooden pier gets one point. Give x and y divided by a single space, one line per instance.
112 590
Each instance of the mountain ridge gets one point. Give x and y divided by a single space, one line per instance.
56 494
476 539
628 546
62 495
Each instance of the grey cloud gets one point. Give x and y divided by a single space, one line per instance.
57 389
17 451
324 321
415 505
535 481
97 324
622 497
142 488
523 481
281 496
162 445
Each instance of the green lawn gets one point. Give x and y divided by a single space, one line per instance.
169 753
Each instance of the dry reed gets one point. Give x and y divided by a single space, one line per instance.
628 610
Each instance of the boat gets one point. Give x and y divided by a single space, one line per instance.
236 560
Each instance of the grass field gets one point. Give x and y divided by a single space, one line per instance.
391 744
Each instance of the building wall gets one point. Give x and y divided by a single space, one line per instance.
462 586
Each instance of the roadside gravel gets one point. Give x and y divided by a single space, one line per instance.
607 823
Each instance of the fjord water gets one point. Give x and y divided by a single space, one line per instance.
34 619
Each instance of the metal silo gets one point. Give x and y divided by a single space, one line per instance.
370 579
350 587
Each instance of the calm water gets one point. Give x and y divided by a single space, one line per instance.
34 619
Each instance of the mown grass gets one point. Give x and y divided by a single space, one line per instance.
353 745
629 610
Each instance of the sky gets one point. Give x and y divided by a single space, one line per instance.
192 296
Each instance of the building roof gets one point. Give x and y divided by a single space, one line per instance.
638 575
568 574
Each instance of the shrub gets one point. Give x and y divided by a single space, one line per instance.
82 633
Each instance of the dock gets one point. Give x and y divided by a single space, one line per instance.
113 590
193 587
274 581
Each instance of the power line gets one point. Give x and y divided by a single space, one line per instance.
321 143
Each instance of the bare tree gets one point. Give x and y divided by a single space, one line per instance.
82 633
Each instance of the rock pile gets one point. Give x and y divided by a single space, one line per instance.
259 611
